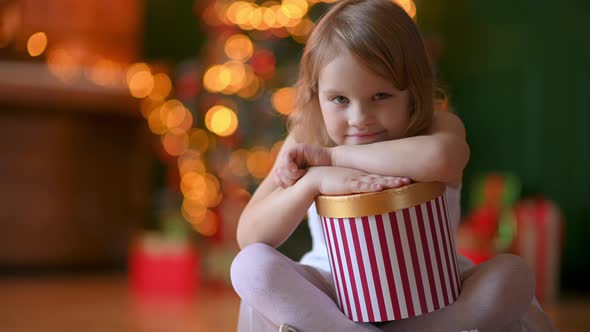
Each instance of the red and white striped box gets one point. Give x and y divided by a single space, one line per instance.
392 253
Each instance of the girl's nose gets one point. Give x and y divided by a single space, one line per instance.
359 116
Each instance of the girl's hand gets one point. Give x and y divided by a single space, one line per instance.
293 162
341 181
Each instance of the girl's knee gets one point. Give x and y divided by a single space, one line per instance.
515 269
499 288
253 266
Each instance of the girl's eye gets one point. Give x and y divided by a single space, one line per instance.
381 95
340 100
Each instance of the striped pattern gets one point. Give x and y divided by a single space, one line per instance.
538 241
394 265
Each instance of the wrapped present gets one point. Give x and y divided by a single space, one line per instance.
160 267
392 253
539 241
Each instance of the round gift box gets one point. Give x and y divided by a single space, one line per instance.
392 252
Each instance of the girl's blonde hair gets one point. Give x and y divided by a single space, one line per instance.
381 36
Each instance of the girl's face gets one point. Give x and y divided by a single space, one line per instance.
358 106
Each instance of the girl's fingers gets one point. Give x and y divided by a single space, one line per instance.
365 184
279 178
292 166
287 178
393 181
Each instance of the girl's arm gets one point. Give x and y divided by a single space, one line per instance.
274 212
439 156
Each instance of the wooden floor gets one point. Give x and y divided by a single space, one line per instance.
104 304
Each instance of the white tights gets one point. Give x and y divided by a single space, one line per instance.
495 296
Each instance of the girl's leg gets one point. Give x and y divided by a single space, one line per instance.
250 320
536 320
493 295
285 292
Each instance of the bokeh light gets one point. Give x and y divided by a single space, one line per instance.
140 80
283 99
37 44
252 86
193 211
162 87
174 114
63 65
238 74
105 72
191 161
199 140
147 106
295 9
216 78
408 5
259 162
175 142
208 225
221 120
239 47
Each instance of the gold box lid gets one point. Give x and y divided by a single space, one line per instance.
375 203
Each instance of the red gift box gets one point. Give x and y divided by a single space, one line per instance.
159 267
539 239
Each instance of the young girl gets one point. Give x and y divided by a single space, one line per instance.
364 121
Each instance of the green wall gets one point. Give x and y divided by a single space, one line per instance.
518 74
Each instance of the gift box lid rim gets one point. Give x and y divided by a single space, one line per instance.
374 203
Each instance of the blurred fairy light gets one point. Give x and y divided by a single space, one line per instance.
239 47
252 86
162 87
408 5
217 78
208 225
136 68
201 191
282 100
191 161
259 162
221 120
175 142
63 65
270 15
193 211
238 74
295 9
141 84
37 44
174 114
105 72
199 140
301 31
147 106
169 116
140 80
